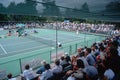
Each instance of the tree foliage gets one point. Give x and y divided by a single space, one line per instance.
50 8
113 7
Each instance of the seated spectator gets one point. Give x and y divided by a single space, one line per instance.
28 73
102 53
58 68
42 68
68 59
79 73
79 51
72 77
47 73
90 57
74 63
101 68
113 62
63 62
109 74
10 77
80 63
82 57
91 73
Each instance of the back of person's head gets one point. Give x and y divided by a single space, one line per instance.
80 63
82 54
85 47
100 44
47 66
57 62
62 58
88 50
102 48
115 44
9 76
96 47
27 66
94 44
91 73
113 52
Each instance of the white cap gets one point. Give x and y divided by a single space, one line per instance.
42 61
66 53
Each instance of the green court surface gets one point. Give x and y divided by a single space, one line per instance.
16 51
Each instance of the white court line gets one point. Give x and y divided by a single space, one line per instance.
3 49
25 49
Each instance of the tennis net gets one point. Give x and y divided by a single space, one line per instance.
42 40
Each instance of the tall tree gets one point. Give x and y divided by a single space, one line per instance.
29 7
68 12
50 8
85 7
11 8
113 7
2 8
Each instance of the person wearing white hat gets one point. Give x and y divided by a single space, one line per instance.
42 68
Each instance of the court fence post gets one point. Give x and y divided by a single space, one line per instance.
70 49
50 56
20 65
76 47
87 43
95 39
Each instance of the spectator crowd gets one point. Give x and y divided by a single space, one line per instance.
108 29
99 62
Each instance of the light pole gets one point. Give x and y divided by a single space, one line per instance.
56 37
85 33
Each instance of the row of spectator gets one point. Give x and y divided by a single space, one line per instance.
94 28
108 29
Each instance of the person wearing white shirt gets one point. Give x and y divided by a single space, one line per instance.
71 77
28 73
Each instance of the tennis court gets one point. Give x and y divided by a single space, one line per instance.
43 39
16 51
